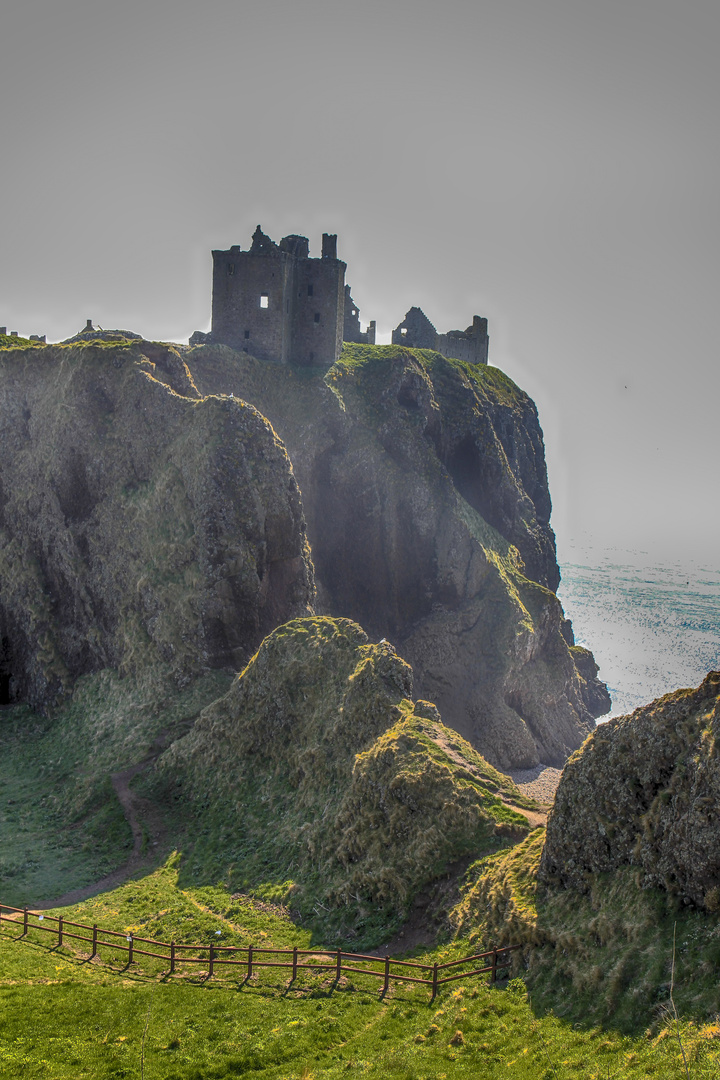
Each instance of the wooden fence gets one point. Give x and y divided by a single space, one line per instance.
247 956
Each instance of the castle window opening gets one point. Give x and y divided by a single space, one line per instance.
264 300
404 331
317 316
231 268
310 290
247 334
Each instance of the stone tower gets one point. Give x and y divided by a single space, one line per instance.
277 303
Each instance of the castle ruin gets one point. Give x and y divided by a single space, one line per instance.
276 303
417 332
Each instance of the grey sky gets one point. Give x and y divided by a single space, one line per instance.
551 165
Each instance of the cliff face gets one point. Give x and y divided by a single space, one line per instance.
138 522
143 517
425 492
644 791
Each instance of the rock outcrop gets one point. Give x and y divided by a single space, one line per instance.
644 791
138 521
369 796
425 491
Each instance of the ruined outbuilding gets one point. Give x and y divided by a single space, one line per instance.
417 332
352 330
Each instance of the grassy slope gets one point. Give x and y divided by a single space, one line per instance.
601 958
316 778
61 1017
60 823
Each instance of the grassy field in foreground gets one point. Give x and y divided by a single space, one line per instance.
63 1017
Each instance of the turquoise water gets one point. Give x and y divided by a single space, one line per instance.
653 627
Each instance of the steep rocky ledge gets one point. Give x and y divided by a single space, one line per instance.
138 521
644 792
425 491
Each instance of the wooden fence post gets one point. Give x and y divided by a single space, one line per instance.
172 957
386 984
338 967
294 974
94 952
435 981
130 949
493 975
60 930
25 921
249 974
212 961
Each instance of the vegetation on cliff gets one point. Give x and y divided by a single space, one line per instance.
316 779
644 792
138 522
425 492
629 867
152 537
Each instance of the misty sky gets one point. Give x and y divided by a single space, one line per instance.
550 165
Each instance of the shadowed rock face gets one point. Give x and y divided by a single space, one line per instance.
425 491
644 791
137 521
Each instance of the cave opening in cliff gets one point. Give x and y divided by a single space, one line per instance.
5 672
466 469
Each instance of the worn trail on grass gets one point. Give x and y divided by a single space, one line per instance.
145 823
534 817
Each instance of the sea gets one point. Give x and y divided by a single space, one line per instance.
653 626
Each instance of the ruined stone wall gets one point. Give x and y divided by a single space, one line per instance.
351 321
470 345
416 331
318 311
352 330
242 284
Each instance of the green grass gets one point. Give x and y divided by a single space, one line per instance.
604 957
61 825
314 776
598 972
63 1017
7 341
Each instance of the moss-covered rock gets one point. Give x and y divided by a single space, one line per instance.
425 490
138 521
644 791
317 767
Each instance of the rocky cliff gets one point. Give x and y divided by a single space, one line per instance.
148 509
643 792
138 521
425 491
317 767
